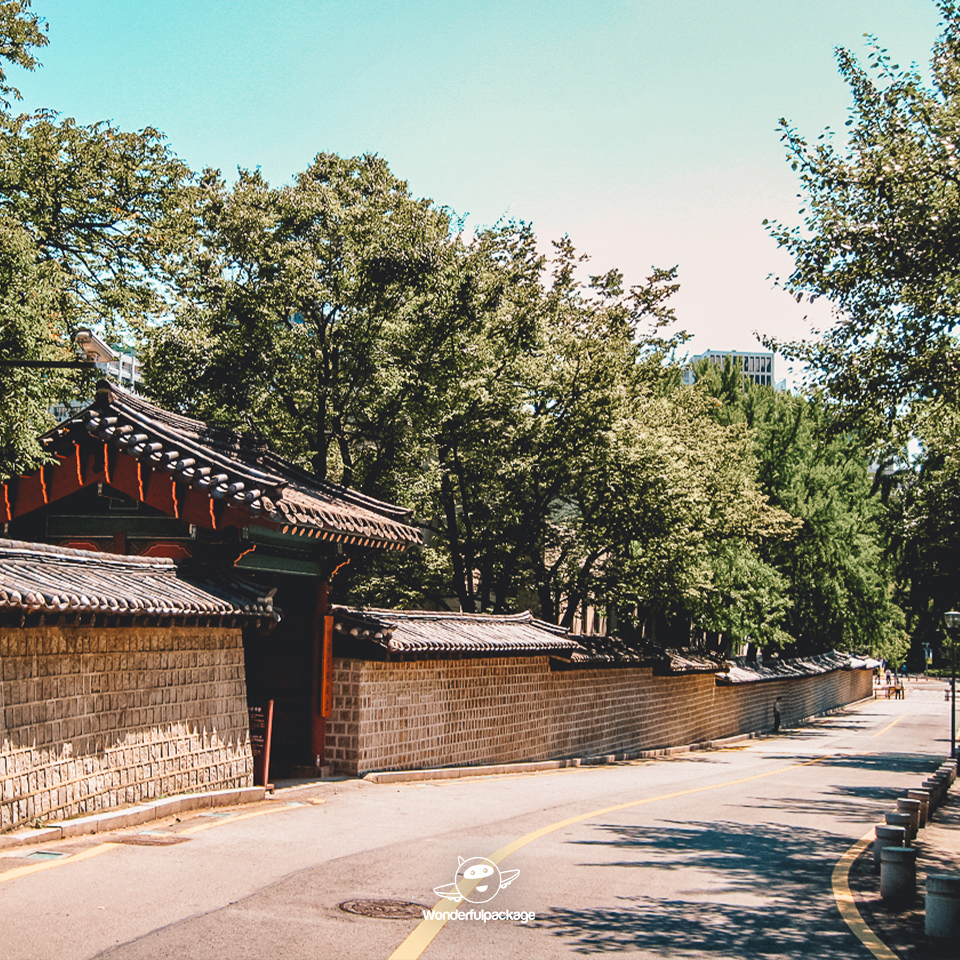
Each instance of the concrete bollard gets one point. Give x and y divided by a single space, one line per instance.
899 820
942 907
898 874
887 837
906 805
934 786
923 798
943 778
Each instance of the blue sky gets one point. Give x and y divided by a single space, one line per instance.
644 129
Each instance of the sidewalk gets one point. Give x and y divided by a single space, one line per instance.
938 851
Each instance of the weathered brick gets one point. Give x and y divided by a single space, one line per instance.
91 721
430 714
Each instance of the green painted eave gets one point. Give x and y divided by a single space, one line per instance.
298 566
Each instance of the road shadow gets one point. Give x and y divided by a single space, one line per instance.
767 893
678 928
848 804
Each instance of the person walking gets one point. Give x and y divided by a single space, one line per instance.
776 715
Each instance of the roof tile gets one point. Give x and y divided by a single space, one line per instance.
40 578
227 465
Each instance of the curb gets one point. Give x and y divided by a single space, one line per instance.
131 816
534 766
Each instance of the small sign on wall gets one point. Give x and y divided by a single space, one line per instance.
261 731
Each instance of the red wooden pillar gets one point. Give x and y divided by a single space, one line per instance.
322 673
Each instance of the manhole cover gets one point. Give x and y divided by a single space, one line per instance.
152 839
385 909
45 855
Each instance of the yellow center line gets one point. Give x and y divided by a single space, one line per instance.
58 862
847 903
18 872
889 725
428 928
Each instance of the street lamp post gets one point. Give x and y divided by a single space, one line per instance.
952 618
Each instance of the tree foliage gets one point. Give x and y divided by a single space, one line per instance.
834 574
924 497
521 408
878 239
27 296
294 306
108 210
93 219
20 33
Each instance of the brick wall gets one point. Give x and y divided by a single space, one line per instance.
409 715
92 718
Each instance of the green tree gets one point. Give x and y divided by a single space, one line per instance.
531 405
28 294
92 218
298 312
570 468
878 240
21 32
109 211
924 498
837 582
881 214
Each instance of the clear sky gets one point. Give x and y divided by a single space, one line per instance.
644 129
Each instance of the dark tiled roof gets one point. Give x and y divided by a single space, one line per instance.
598 650
613 651
688 661
742 670
237 469
406 632
38 578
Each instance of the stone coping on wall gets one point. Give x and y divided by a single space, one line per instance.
373 634
131 816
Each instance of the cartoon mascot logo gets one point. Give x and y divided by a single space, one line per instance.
477 880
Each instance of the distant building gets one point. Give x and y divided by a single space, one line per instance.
121 367
757 366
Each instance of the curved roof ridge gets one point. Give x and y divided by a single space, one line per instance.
241 442
169 417
23 548
524 617
311 482
240 469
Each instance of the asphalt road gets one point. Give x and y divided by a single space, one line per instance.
726 853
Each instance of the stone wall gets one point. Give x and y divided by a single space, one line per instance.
95 717
410 715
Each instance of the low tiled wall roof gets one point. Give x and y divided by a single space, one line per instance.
742 670
39 578
596 650
428 633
